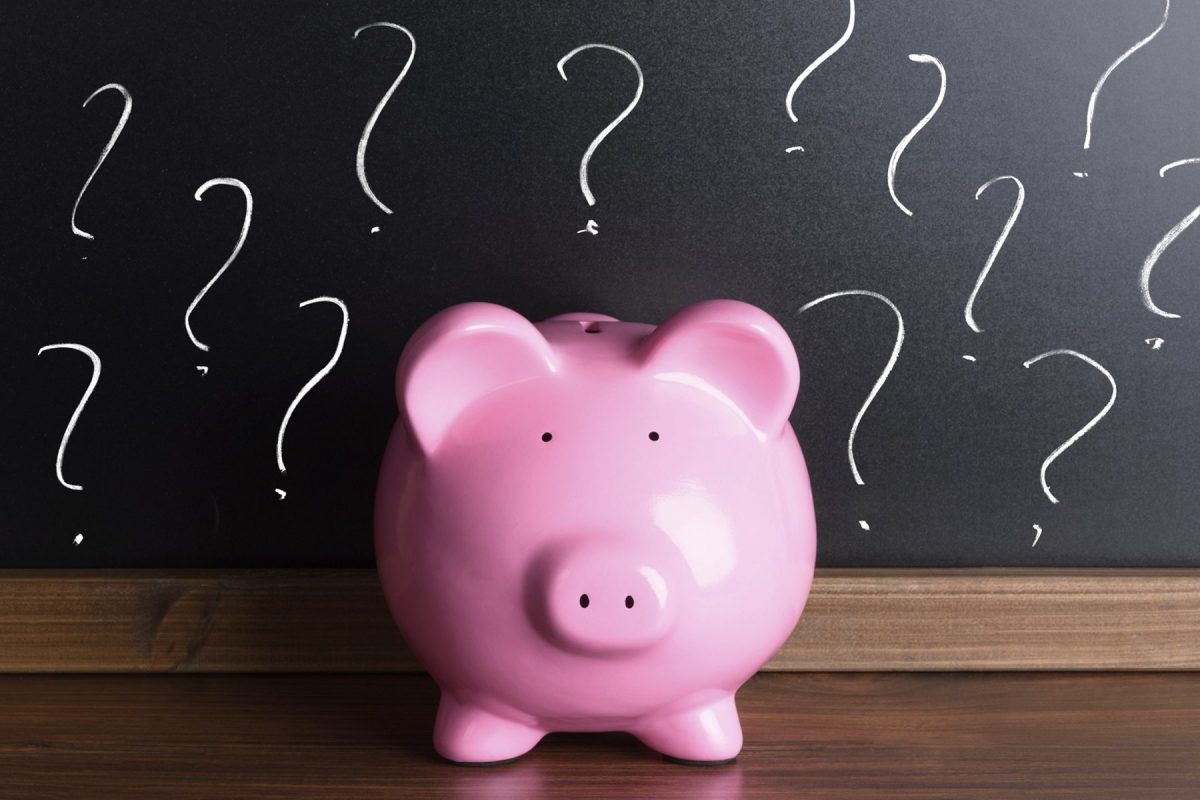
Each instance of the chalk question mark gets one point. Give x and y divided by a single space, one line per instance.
587 156
883 376
969 312
908 137
237 248
75 229
1163 244
1091 109
845 37
1058 451
1165 168
313 381
87 393
361 156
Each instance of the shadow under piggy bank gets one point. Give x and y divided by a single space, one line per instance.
593 765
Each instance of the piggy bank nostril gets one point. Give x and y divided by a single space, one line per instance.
629 601
584 601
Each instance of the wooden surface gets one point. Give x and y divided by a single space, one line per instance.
336 620
818 735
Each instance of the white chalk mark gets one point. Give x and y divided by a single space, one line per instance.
887 370
1078 434
1037 534
62 446
83 258
1091 109
237 248
845 37
103 153
583 164
891 171
591 228
969 358
315 379
1152 259
1163 244
1165 168
1080 174
375 229
202 369
794 149
1156 343
862 523
282 494
969 313
360 158
78 539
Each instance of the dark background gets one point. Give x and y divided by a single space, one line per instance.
478 152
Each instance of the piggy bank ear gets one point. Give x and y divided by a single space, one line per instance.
460 355
735 352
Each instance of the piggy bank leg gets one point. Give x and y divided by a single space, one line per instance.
709 733
470 735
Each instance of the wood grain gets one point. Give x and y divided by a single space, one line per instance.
856 620
933 736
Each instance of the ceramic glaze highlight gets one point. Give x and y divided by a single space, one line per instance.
585 524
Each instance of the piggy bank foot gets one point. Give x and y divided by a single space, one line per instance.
469 735
706 734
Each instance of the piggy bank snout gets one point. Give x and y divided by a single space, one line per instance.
606 599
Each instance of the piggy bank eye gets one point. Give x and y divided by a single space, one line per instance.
546 436
654 436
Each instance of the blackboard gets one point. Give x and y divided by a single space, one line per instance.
706 188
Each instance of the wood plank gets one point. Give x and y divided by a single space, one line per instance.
996 619
838 736
143 620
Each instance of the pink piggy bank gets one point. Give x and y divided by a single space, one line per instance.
584 524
